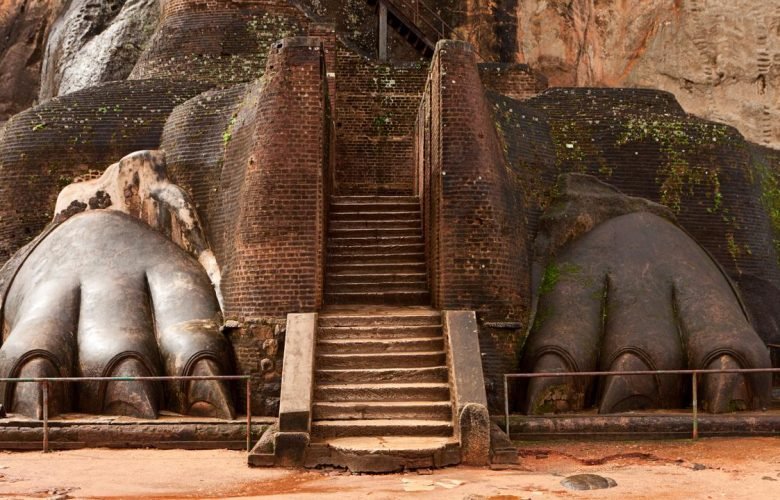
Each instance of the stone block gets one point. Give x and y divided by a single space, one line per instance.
298 375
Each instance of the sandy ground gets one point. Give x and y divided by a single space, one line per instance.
746 468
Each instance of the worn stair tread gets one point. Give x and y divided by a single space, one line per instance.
373 345
427 374
405 445
382 427
398 385
378 331
331 320
396 404
370 342
383 422
385 277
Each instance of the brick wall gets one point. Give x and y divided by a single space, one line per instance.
376 109
256 159
44 148
517 81
473 210
222 42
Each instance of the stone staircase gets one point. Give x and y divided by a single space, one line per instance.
376 251
382 390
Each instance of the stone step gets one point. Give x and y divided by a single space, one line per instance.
370 410
377 215
373 197
336 249
376 286
386 297
379 332
425 317
417 391
436 374
336 225
368 240
368 199
368 278
380 427
385 232
376 267
369 346
374 206
378 258
381 360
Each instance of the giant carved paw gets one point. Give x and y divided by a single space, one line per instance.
637 293
103 294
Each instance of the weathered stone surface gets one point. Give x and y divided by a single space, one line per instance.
95 42
588 482
298 378
24 27
290 448
474 423
104 295
614 300
79 431
718 57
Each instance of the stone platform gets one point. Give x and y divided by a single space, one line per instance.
74 431
641 425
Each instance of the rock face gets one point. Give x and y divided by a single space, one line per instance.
721 58
24 25
96 42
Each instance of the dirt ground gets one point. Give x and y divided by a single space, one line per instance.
737 468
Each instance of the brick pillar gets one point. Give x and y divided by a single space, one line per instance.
478 240
276 164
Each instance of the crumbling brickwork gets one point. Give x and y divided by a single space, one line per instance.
44 148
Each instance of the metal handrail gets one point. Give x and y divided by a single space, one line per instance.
414 6
694 375
45 381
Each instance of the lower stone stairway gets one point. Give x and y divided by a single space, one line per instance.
376 251
381 384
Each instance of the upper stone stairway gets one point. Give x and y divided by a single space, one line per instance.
376 251
417 22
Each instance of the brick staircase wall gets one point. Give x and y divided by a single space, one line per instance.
376 108
472 208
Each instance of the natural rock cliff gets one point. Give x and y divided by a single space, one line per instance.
721 58
96 42
24 26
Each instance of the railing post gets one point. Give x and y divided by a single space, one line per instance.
382 31
695 407
45 389
248 415
506 406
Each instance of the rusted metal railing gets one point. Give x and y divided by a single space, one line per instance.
422 14
694 385
43 383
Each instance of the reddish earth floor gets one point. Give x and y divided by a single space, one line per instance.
736 468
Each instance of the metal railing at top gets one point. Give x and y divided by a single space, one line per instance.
694 386
45 381
420 13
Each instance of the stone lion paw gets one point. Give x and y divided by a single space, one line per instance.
636 293
105 295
